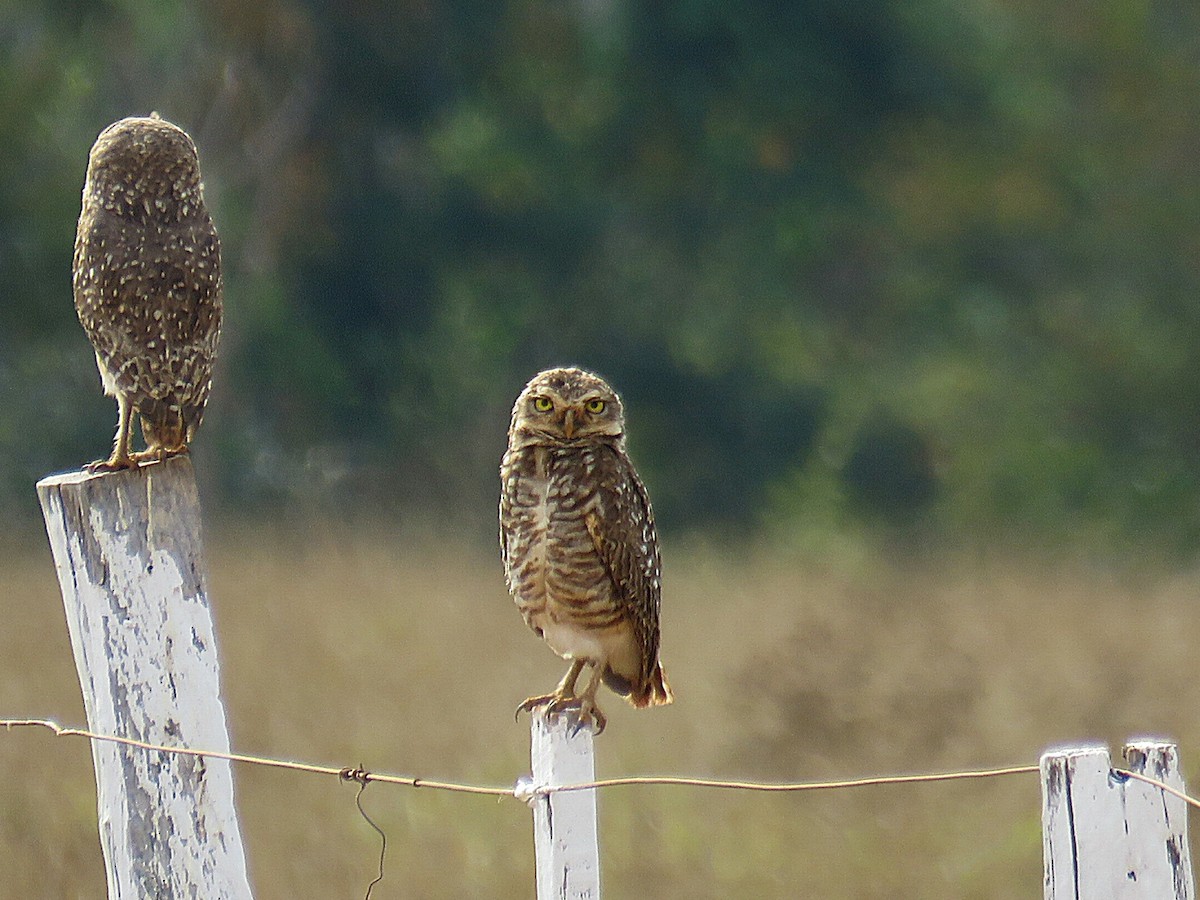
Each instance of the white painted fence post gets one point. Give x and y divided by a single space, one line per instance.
130 564
1107 836
564 824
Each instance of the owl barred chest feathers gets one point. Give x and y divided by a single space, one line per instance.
556 575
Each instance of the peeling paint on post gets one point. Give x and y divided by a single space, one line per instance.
564 825
127 548
1108 836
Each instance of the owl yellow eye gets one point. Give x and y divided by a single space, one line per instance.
542 404
595 406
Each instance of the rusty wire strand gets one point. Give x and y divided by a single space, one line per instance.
351 773
799 786
359 775
1161 785
523 791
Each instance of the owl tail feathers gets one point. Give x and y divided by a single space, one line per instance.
657 691
654 692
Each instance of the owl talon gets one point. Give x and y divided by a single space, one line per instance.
583 712
549 704
589 716
110 465
157 454
144 456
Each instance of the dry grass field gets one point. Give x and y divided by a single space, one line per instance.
378 647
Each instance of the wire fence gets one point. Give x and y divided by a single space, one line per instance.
524 788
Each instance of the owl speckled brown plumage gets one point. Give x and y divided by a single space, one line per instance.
147 282
578 542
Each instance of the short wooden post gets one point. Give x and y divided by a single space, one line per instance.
1111 836
564 824
128 552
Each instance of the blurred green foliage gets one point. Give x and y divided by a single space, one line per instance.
889 263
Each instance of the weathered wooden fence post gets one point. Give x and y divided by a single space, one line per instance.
564 824
128 552
1108 836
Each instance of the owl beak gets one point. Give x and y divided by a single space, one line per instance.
569 424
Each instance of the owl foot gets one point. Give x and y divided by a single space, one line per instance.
581 710
112 464
157 454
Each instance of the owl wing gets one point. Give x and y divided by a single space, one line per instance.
150 303
508 488
625 540
97 283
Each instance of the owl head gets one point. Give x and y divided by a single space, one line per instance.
146 169
567 407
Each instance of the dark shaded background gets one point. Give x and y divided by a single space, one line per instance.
929 267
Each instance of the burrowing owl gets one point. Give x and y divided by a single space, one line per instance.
147 279
578 542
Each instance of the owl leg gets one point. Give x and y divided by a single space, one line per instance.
119 459
562 697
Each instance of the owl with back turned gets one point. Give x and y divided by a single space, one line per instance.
147 284
578 542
